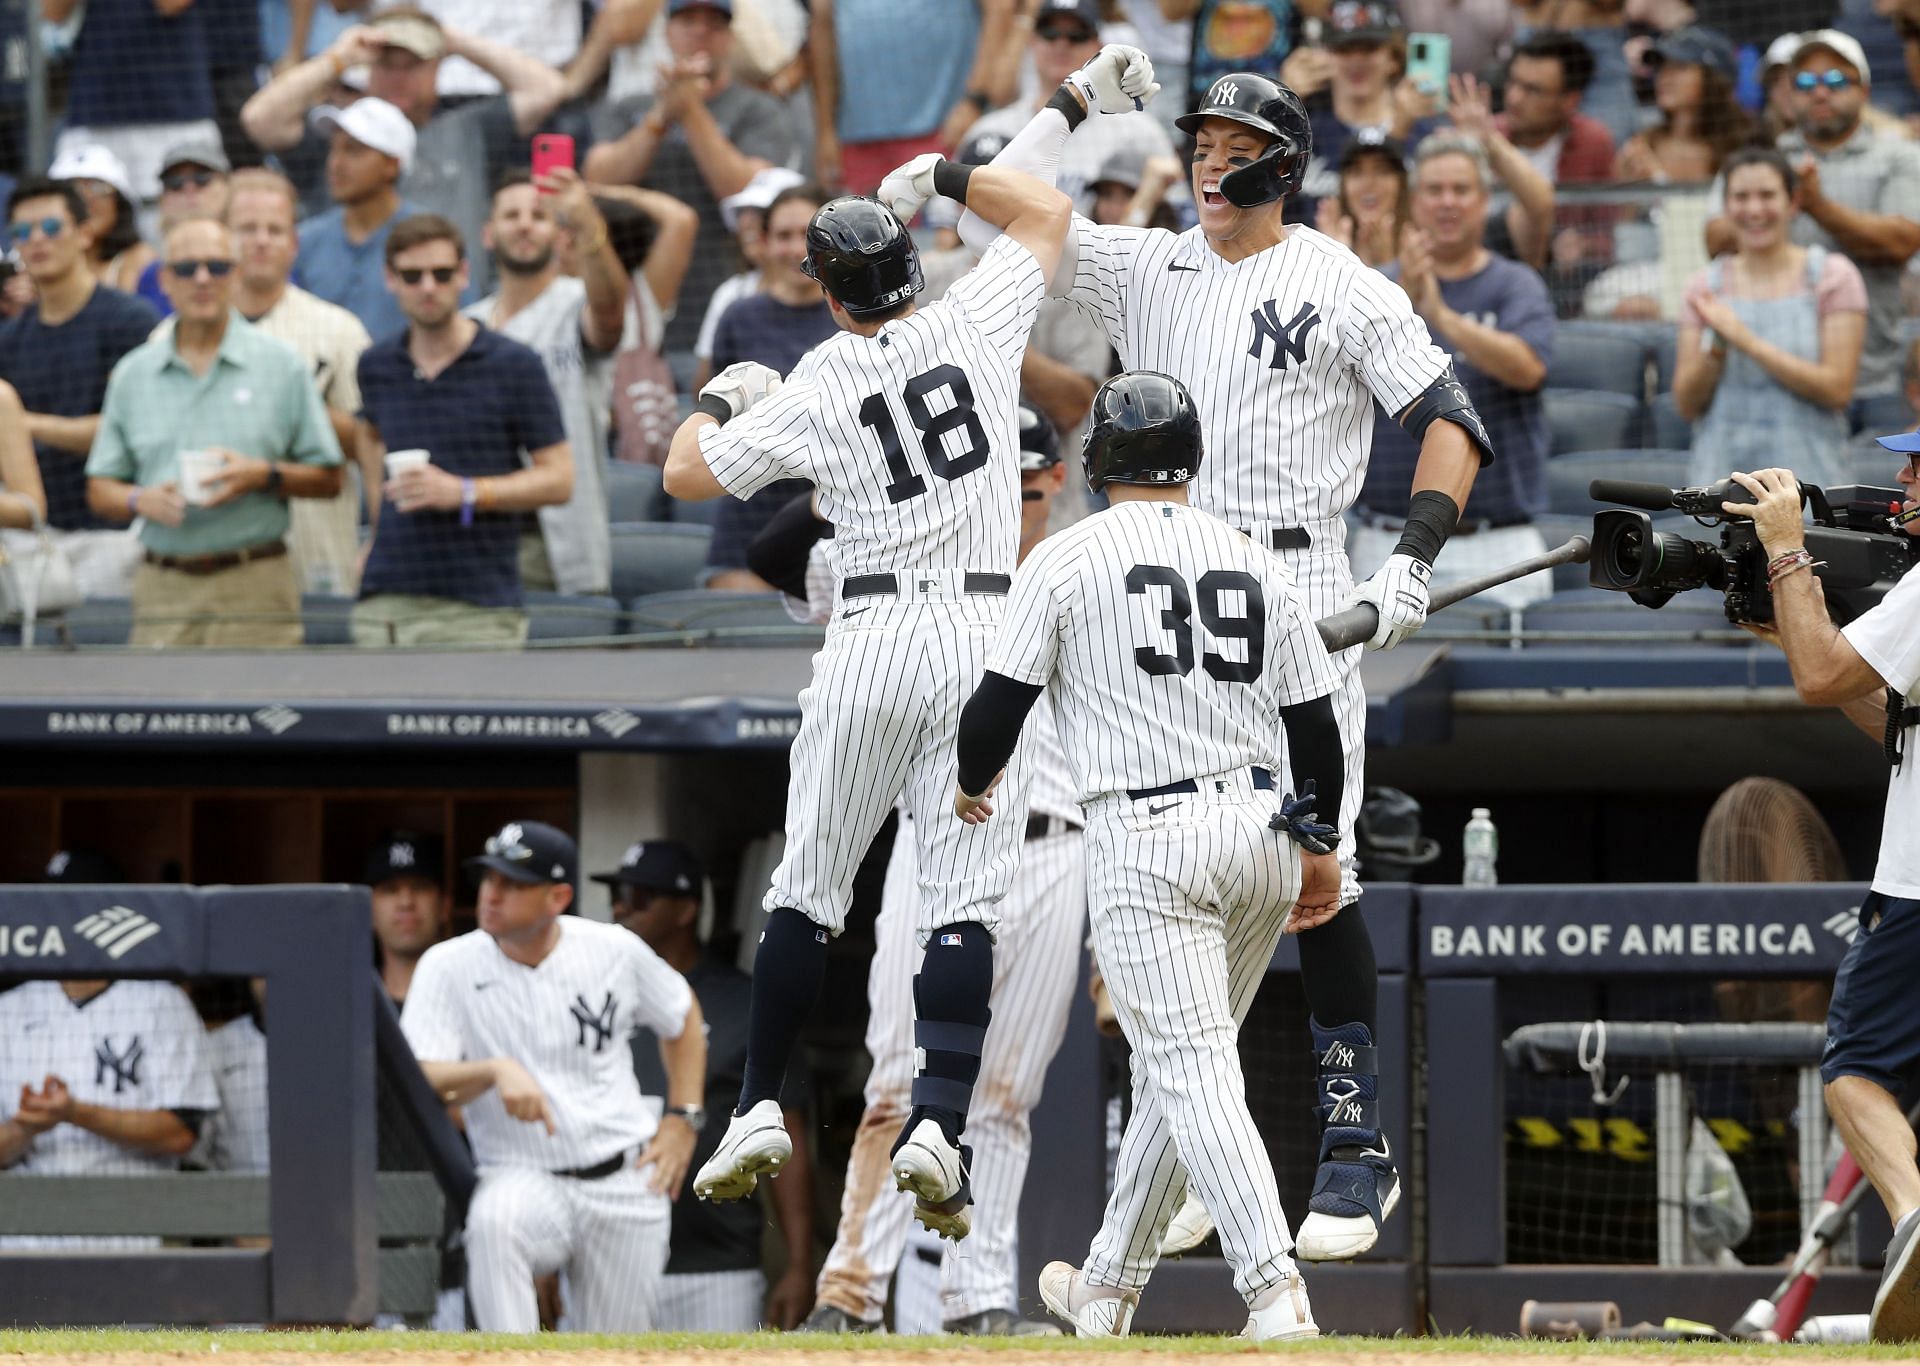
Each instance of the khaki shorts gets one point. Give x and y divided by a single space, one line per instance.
251 606
407 619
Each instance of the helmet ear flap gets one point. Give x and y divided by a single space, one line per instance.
1274 174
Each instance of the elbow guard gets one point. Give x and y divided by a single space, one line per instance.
1447 398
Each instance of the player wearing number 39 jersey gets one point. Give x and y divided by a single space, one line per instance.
906 424
1168 644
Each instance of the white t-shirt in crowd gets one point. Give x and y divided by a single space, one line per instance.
1888 638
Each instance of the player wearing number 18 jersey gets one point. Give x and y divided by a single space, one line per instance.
906 425
1168 643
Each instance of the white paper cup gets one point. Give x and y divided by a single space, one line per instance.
196 468
398 462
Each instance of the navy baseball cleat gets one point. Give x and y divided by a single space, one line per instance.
1356 1187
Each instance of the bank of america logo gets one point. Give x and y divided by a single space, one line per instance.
117 929
277 719
1844 925
616 722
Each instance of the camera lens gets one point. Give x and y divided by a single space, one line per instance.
1629 555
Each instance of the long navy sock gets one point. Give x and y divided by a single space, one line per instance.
950 1024
787 975
1338 973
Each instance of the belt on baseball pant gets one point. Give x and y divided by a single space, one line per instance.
213 564
1041 827
1262 778
888 585
599 1171
1282 537
1466 527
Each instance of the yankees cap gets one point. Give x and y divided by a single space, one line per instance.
528 851
83 867
405 853
658 866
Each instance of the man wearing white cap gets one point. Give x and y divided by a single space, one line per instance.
1859 190
342 250
745 216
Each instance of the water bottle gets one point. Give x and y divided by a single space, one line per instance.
1482 846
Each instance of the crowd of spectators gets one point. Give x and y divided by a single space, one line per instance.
234 184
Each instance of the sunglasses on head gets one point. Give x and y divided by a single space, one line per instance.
186 270
513 849
412 275
1832 80
179 180
49 227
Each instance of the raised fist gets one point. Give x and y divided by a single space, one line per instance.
1118 80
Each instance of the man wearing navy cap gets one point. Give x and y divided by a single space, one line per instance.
713 1282
407 875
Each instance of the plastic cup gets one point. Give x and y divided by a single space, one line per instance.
399 462
196 469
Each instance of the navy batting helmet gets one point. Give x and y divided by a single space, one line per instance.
1039 443
1145 430
1274 110
862 256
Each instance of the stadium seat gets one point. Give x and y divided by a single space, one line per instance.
1866 461
761 617
656 557
1663 345
1597 355
97 621
1668 430
1689 619
571 616
1591 420
1881 414
1569 475
683 513
633 492
326 618
1557 527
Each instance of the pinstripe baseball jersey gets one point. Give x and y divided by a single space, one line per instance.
911 435
567 1021
134 1046
1168 642
235 1139
1283 352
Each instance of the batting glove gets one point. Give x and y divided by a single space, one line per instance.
907 188
742 384
1296 817
1399 592
1118 80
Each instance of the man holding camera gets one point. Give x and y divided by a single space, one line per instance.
1872 1060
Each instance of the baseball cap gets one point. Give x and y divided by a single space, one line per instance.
1124 166
1906 443
1086 11
1842 45
762 190
82 866
528 851
402 853
1370 140
1697 47
981 148
1352 23
1039 443
375 123
658 866
196 152
94 162
682 6
413 33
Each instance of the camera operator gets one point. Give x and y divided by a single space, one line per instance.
1872 1059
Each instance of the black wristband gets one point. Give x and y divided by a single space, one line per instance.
950 178
979 99
714 407
1431 518
1069 106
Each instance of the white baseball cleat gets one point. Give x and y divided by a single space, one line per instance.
1095 1311
754 1142
1328 1237
934 1171
1190 1227
1281 1313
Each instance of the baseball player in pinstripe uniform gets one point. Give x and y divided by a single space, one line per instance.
906 425
1285 340
525 1023
1036 963
1153 608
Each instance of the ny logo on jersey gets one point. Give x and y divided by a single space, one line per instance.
1289 340
124 1066
599 1021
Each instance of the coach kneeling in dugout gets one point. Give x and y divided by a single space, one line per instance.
1872 1061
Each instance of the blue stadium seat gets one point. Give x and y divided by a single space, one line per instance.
1591 420
1668 430
656 557
1866 461
1569 475
633 492
762 617
97 621
1690 619
326 619
1663 344
1598 355
1881 414
571 616
692 514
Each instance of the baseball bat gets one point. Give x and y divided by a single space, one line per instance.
1355 625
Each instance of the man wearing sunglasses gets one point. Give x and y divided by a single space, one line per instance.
1859 189
216 571
193 184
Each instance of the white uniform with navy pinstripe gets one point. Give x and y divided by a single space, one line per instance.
1168 643
911 439
568 1022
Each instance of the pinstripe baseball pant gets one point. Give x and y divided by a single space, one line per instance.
710 1302
1187 907
609 1236
1035 965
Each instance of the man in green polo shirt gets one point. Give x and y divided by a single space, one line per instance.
206 431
